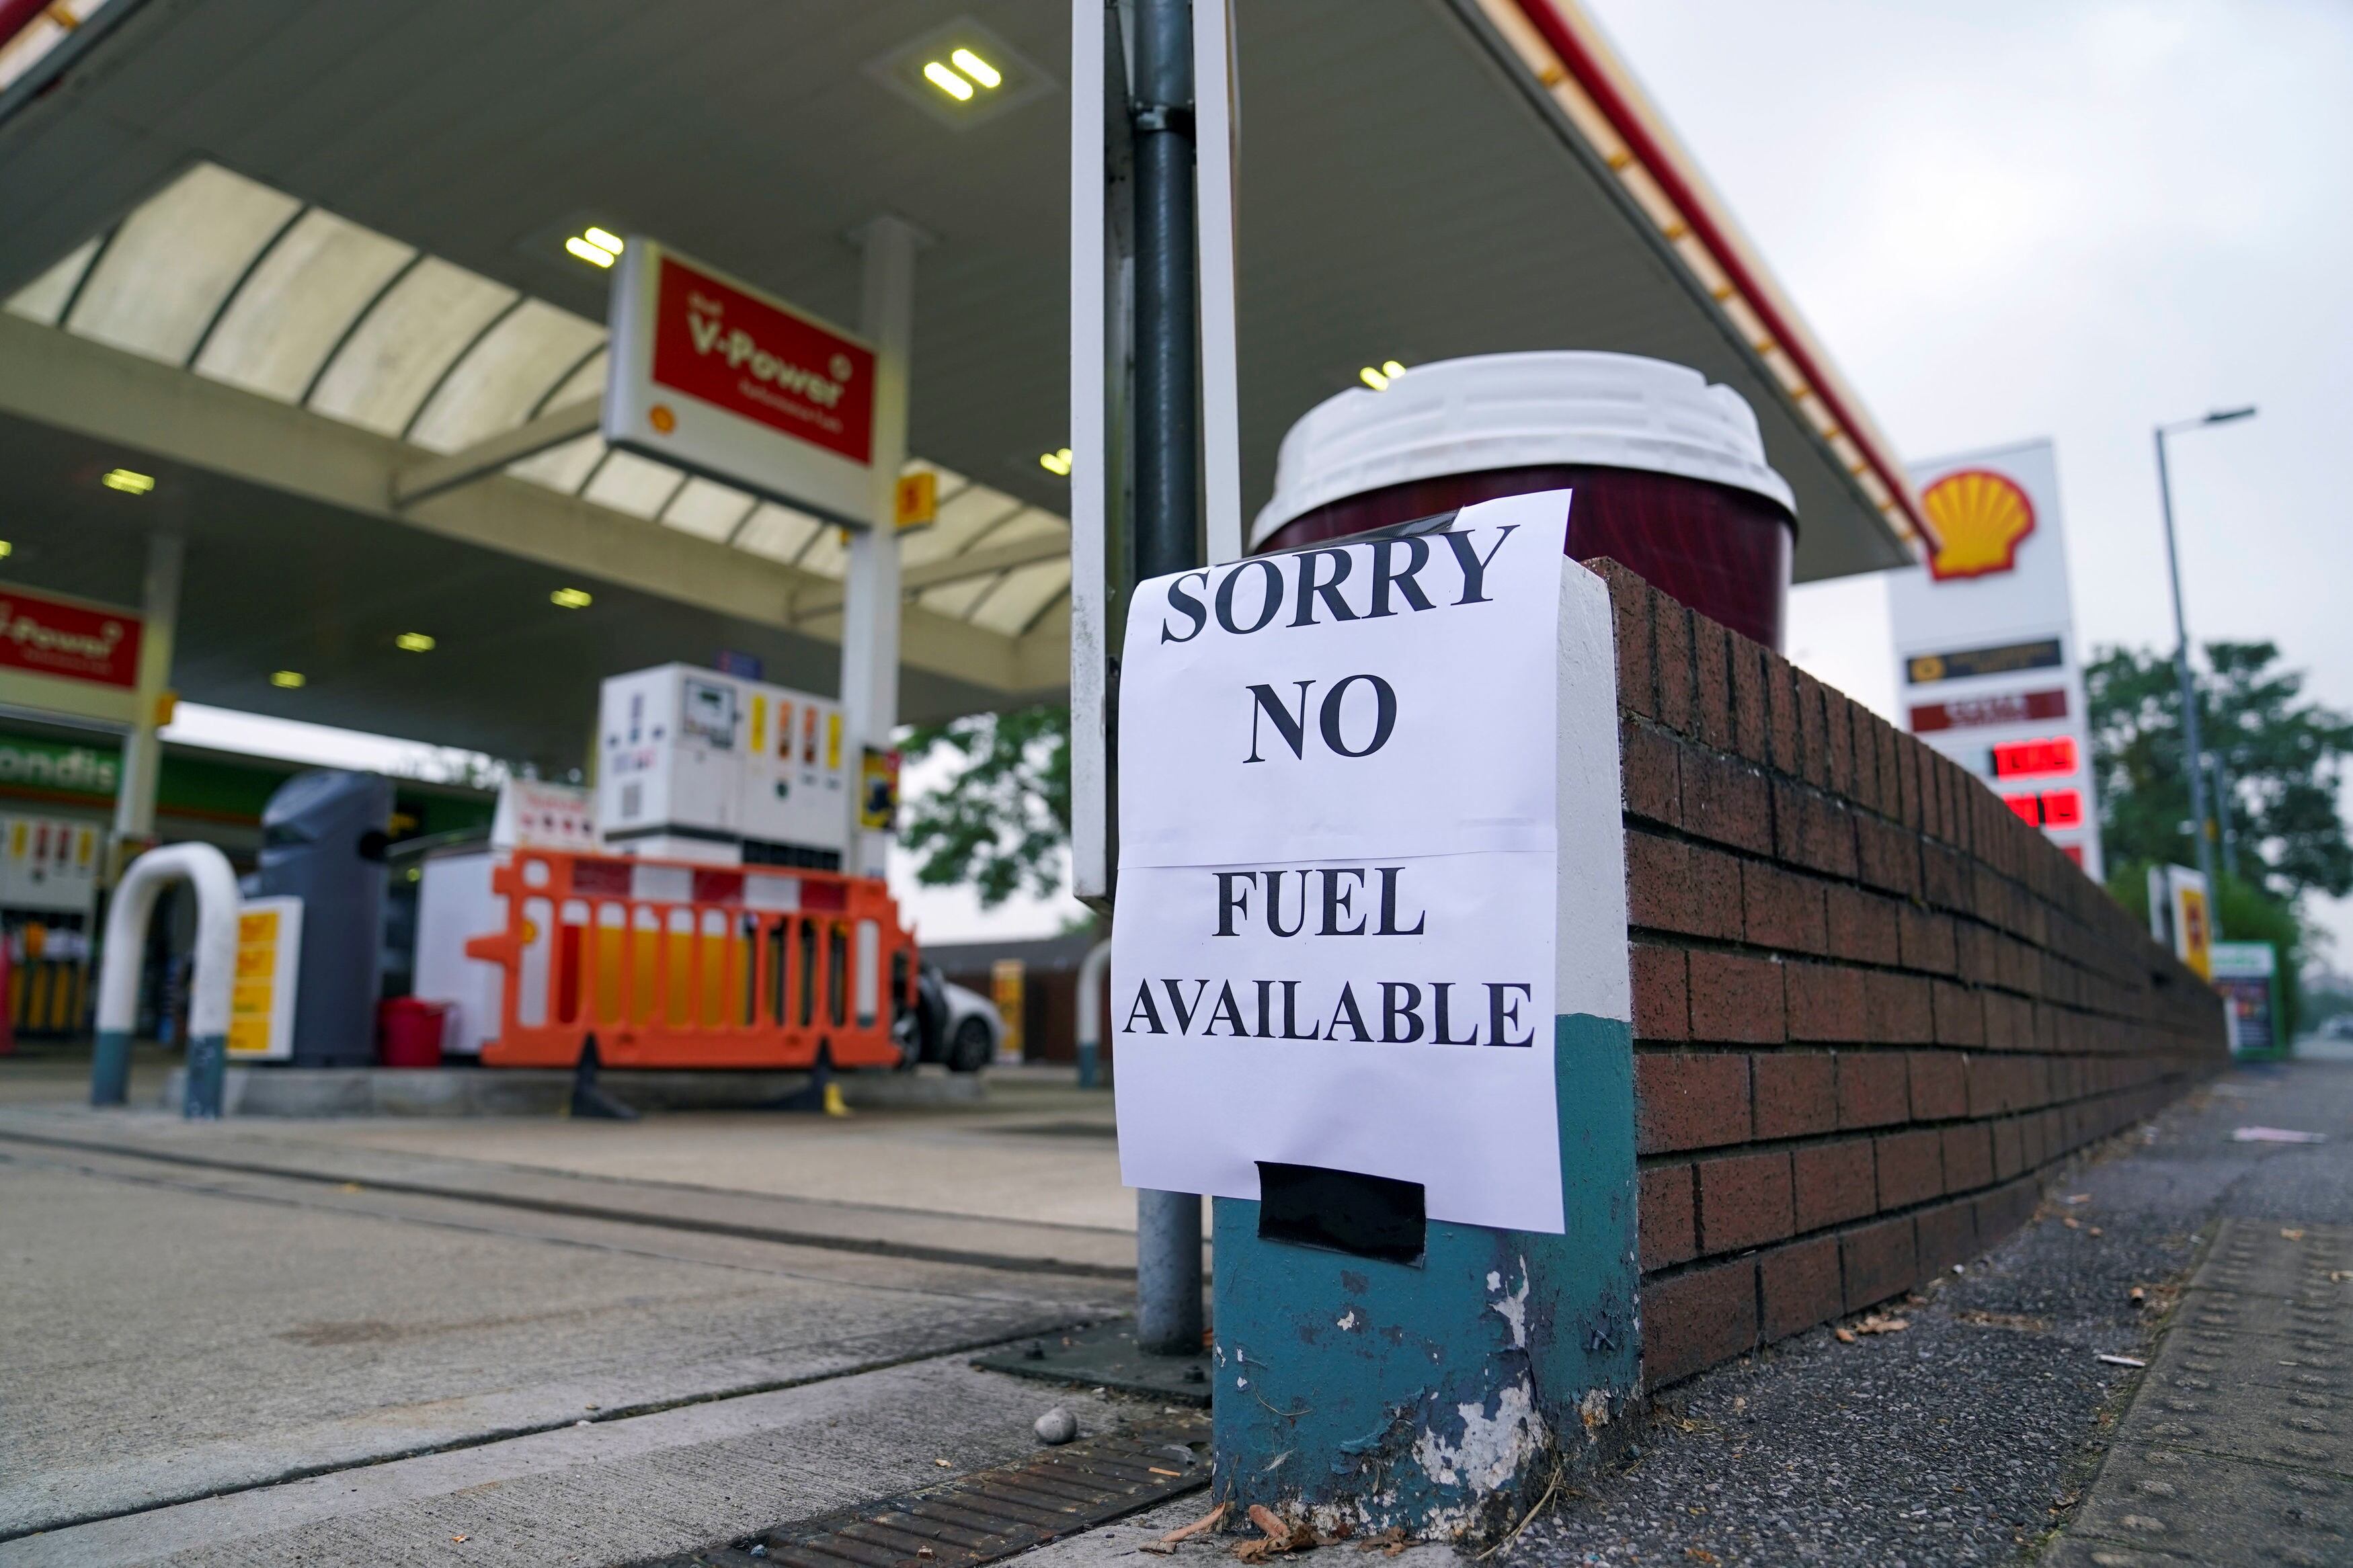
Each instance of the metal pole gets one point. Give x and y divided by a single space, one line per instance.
1168 520
2223 816
2194 763
1167 373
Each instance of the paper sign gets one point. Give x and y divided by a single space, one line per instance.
1339 890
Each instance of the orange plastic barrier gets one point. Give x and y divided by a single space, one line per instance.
677 966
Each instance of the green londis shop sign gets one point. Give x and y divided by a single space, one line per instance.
50 765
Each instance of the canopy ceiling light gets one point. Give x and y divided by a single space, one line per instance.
962 74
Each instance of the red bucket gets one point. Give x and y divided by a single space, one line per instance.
409 1032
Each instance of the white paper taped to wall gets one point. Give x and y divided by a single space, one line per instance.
1339 872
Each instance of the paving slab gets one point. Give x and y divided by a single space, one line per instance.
2237 1449
616 1490
335 1153
450 1091
166 1345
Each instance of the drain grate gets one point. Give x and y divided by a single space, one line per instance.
989 1514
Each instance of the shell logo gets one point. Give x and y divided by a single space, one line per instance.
1979 517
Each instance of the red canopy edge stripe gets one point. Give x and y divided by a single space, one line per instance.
1585 58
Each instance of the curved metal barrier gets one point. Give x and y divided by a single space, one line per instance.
670 964
207 871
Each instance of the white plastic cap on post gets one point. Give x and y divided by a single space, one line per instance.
1515 411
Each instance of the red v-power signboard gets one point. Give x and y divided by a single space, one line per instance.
715 377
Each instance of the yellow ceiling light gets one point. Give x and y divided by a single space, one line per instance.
947 82
589 251
128 481
7 549
979 69
1391 369
287 679
414 642
1056 463
1373 379
603 238
571 598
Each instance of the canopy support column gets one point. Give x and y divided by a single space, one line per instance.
869 633
159 611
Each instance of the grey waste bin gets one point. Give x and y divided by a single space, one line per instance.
322 841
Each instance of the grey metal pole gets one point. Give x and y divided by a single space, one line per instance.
2194 763
1168 520
1167 371
2223 816
1168 1317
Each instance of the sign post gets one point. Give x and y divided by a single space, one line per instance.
715 377
2181 915
2247 974
1988 669
1371 993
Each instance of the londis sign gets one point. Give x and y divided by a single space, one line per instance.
714 376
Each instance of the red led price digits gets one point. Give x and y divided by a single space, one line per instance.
2026 759
2051 808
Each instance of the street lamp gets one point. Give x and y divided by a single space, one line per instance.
2197 751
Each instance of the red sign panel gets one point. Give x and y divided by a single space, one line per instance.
1974 712
715 343
2024 759
42 636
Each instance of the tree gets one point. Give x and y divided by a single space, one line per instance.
1002 821
2281 757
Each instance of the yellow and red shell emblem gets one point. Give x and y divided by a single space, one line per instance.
1979 517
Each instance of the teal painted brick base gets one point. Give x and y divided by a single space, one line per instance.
1440 1397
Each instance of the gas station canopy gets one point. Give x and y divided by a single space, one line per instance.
307 265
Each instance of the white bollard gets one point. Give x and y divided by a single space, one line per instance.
217 901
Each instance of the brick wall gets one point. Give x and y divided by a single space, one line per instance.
1871 1006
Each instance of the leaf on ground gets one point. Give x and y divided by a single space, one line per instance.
1186 1532
1844 1336
1881 1323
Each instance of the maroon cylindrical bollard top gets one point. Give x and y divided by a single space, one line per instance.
1669 472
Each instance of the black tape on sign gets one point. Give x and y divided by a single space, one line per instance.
1344 1211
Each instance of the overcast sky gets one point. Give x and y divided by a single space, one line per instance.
2017 219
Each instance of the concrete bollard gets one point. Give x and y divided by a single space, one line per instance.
1092 970
1439 1395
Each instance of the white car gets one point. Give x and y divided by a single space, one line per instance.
952 1024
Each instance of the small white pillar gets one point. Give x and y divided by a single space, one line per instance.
869 627
143 754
